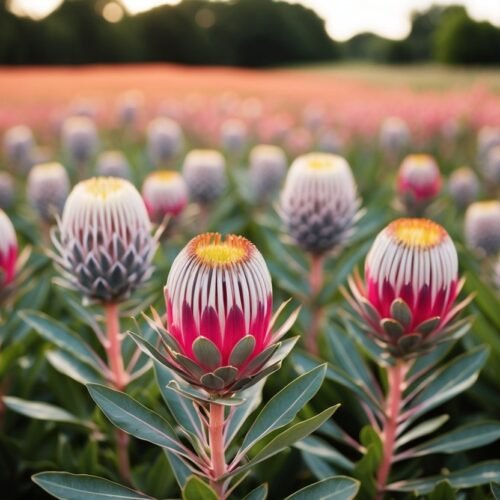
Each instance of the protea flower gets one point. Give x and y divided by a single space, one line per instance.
165 194
113 164
18 146
6 190
267 170
104 243
47 190
129 107
491 166
8 252
204 171
482 227
164 140
487 139
410 286
418 183
463 186
394 135
234 135
219 315
319 203
79 139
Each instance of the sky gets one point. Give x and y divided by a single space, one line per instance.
344 18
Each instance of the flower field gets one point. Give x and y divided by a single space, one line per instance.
226 284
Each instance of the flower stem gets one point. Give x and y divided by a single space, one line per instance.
396 375
315 284
217 451
120 379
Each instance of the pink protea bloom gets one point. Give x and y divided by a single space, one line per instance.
410 287
419 181
8 251
219 315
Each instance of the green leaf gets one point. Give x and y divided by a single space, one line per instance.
476 475
320 468
181 471
422 429
82 487
320 448
443 491
333 488
366 468
287 438
495 490
284 406
259 493
58 334
43 411
452 379
189 392
196 489
463 438
67 364
135 419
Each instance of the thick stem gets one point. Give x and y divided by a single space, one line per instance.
315 283
120 379
396 375
217 451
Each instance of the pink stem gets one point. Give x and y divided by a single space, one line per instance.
120 379
315 283
396 374
217 451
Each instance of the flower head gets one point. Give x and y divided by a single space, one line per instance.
411 283
204 171
104 242
8 251
47 190
129 107
394 135
164 140
164 193
219 308
234 135
482 227
491 166
79 138
18 146
319 203
463 186
113 164
267 169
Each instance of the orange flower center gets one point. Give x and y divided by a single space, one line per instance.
420 233
212 250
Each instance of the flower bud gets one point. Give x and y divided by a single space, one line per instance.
482 227
164 193
319 202
8 251
105 244
463 186
487 139
129 108
411 283
234 135
47 189
267 170
419 182
164 140
18 146
79 139
394 135
7 190
204 171
491 166
219 306
113 164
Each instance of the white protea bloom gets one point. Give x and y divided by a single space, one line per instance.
165 193
113 164
47 189
129 108
491 166
105 243
79 138
267 169
7 190
164 140
482 226
8 252
410 286
18 147
204 171
319 203
394 135
463 186
234 135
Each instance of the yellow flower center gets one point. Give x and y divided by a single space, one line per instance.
421 233
164 175
102 187
321 162
213 251
419 160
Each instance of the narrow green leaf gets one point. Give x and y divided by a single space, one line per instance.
135 419
68 486
443 491
67 364
495 490
319 468
196 489
259 493
43 411
320 448
333 488
476 475
196 395
180 469
422 429
284 406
